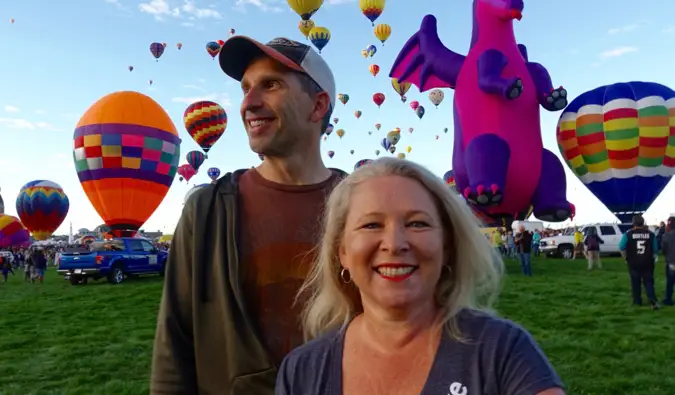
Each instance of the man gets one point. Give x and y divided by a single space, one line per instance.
668 248
638 246
578 243
242 247
524 245
536 239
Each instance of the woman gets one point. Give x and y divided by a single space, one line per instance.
398 297
592 243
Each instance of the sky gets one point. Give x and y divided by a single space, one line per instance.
58 58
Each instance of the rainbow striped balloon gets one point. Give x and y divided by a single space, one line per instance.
205 121
619 140
42 206
12 232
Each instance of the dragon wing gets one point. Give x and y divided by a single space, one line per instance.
425 62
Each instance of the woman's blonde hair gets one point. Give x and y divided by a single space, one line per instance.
475 270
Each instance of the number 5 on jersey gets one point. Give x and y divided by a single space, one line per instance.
641 247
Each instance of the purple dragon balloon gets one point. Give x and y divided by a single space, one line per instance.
499 161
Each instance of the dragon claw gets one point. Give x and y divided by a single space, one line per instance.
556 99
514 89
556 213
482 196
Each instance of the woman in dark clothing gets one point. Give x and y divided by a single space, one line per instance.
5 267
592 243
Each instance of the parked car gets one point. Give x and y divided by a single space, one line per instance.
114 260
563 246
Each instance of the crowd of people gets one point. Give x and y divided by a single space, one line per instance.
32 261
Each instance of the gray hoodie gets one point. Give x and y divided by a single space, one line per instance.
668 246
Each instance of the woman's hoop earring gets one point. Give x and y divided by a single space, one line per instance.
345 276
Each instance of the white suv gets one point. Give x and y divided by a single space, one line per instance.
563 246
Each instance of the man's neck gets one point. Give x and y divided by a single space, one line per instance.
294 170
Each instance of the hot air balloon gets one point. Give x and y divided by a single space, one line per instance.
371 50
164 45
319 36
411 130
11 20
12 232
340 133
2 205
408 149
377 152
394 137
157 49
232 32
150 82
401 89
362 162
400 155
213 49
305 8
357 114
329 129
126 152
42 206
364 53
372 9
205 121
213 173
351 151
221 42
374 69
331 154
414 104
392 149
378 126
306 27
420 111
386 143
436 97
617 140
336 120
344 98
378 99
130 68
382 32
195 159
179 46
186 171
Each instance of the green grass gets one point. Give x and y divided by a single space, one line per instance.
97 339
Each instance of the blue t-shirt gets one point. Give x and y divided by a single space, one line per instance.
496 357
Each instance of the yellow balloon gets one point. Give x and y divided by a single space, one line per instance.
401 89
364 53
305 8
382 32
409 149
319 36
340 133
305 27
372 9
401 155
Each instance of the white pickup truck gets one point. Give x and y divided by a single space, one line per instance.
563 246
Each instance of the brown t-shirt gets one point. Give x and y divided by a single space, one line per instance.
280 226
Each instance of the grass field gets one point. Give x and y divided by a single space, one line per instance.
97 339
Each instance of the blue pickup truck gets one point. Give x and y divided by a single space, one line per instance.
114 260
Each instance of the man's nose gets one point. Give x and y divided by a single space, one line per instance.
252 99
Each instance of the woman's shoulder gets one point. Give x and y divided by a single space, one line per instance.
307 369
483 326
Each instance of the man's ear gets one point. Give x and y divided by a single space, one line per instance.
321 106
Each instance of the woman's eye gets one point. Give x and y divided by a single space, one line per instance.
418 224
371 225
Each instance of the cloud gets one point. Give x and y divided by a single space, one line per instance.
616 52
11 109
161 9
23 124
40 112
221 98
623 29
263 5
193 87
669 29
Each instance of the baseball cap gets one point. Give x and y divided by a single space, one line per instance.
239 51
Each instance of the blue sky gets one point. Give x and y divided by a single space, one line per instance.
60 57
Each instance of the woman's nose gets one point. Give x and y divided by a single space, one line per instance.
395 239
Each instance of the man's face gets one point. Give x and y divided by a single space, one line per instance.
278 114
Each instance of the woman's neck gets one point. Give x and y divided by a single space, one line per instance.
387 333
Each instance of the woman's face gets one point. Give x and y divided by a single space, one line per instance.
393 243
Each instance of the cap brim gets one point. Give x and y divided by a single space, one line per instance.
238 52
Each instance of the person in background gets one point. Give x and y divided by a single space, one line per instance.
497 242
668 248
578 243
398 298
40 265
592 243
536 239
243 246
523 243
510 245
638 246
660 231
5 268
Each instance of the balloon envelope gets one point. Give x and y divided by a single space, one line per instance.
12 232
126 152
618 141
42 206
